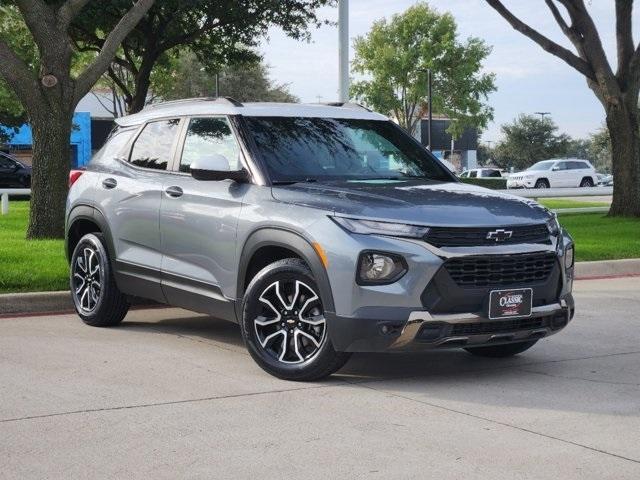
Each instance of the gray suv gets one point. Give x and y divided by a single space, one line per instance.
321 229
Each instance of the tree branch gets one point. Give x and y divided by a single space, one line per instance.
17 75
624 34
93 72
547 44
68 11
38 17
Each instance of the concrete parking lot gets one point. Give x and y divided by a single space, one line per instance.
170 394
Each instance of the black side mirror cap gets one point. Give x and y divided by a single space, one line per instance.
240 176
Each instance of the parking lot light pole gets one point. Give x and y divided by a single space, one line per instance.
430 104
343 49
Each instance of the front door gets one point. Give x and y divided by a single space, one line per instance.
198 223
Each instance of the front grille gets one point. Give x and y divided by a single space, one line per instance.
501 270
470 237
486 328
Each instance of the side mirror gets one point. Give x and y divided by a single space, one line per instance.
216 167
555 168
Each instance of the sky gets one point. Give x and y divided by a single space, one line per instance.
528 79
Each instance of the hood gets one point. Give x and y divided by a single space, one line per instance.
415 202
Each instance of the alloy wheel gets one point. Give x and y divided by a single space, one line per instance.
290 324
87 278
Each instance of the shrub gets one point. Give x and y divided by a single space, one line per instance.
492 183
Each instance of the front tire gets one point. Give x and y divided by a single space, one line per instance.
542 183
283 324
95 294
586 182
501 351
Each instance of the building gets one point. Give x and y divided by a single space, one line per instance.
20 143
92 123
463 155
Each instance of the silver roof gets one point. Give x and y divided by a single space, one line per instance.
205 106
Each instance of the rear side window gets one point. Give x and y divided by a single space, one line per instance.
115 144
206 137
154 146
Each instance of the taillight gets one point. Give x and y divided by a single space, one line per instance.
74 175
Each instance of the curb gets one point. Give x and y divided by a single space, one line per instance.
20 304
50 303
607 268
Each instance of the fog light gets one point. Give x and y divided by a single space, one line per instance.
377 268
568 257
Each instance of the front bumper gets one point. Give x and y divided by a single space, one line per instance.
521 183
424 331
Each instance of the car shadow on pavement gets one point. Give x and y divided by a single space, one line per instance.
361 366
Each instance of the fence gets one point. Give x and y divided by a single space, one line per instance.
5 193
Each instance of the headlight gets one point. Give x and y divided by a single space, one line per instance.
569 257
370 227
378 268
553 225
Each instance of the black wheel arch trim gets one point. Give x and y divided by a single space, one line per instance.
291 240
88 212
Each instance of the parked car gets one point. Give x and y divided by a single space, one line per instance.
481 173
13 174
571 172
321 230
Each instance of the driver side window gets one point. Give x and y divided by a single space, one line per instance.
206 137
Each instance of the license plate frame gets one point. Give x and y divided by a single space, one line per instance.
510 303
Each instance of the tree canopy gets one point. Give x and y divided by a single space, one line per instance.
247 81
219 33
394 58
528 140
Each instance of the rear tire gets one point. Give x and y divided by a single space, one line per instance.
95 294
283 324
501 351
542 183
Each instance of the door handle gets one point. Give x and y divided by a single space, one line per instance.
174 191
109 183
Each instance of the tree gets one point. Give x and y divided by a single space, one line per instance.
218 32
528 140
246 82
616 90
600 150
48 91
395 56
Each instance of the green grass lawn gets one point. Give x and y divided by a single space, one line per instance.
598 237
556 203
40 265
35 265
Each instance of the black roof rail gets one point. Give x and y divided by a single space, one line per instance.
229 100
345 105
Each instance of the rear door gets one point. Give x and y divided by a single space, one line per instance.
198 222
130 200
559 175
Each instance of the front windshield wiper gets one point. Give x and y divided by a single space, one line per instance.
291 182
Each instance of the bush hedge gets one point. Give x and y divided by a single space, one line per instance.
492 183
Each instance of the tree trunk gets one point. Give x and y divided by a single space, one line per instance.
624 130
51 163
142 84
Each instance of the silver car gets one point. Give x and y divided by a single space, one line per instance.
321 229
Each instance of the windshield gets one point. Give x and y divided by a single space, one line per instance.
308 149
546 165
